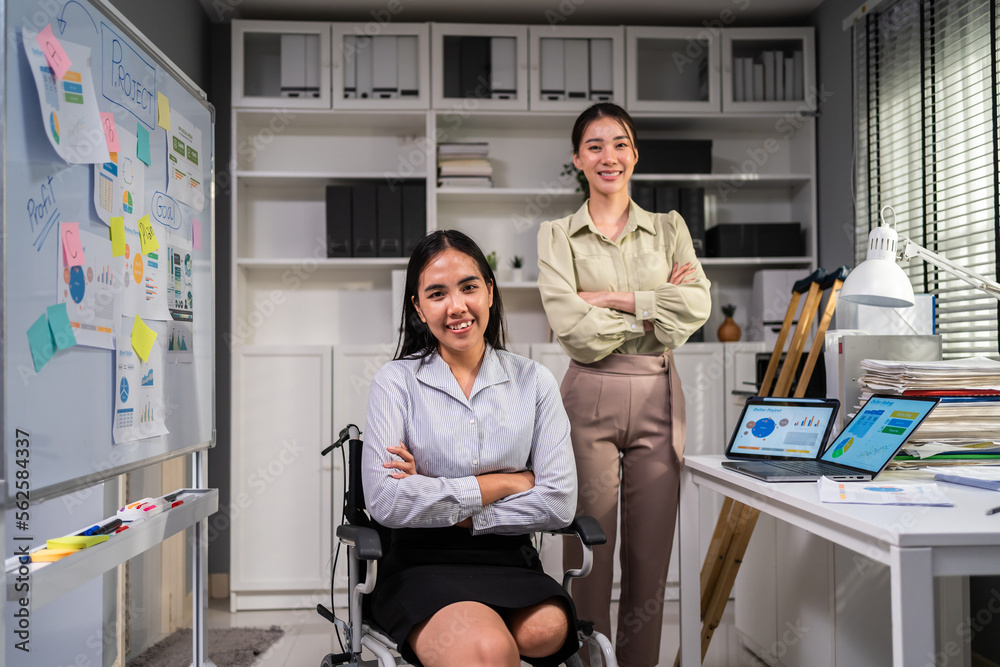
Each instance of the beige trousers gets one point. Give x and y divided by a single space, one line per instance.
620 411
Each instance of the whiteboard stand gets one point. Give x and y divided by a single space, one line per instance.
199 562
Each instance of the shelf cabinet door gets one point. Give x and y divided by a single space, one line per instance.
573 67
281 419
479 67
768 69
281 64
672 70
388 70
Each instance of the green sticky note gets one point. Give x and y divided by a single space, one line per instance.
59 325
40 342
142 144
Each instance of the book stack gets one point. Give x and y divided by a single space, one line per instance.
464 165
769 76
964 427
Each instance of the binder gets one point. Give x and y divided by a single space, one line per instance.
350 67
452 64
789 78
668 198
644 195
798 80
389 213
384 84
601 74
474 67
364 62
364 222
407 66
414 215
767 59
779 76
737 79
553 69
503 68
312 66
693 211
748 80
338 221
293 66
758 82
577 55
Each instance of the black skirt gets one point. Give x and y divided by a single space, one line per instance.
427 569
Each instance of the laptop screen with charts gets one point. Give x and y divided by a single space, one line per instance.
782 428
860 452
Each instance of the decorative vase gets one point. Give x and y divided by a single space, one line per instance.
517 275
729 331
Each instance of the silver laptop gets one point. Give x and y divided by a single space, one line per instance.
791 452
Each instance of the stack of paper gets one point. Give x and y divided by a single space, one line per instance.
986 477
464 165
969 412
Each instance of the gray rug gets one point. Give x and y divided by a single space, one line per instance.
226 647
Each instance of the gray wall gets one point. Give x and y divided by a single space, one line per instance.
834 135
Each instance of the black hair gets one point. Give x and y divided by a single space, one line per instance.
596 112
416 340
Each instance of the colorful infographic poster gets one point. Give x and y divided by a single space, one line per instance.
68 105
118 183
180 299
145 279
92 291
185 170
139 405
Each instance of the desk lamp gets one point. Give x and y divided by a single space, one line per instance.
879 280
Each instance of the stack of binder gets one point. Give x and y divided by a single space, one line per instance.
686 200
464 165
965 426
375 219
770 76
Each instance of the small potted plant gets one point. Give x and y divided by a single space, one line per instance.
491 259
517 269
729 331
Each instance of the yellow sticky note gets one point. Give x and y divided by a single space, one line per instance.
76 541
147 236
163 111
117 237
142 338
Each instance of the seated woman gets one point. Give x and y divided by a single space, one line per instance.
467 450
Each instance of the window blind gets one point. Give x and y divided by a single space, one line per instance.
925 91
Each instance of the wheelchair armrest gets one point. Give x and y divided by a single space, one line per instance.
588 530
365 541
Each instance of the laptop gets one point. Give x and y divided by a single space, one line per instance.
788 445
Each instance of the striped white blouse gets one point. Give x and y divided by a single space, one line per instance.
512 421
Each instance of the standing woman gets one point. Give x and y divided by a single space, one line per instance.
622 288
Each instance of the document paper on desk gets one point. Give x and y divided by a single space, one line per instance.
985 477
868 493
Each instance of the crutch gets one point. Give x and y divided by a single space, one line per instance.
800 288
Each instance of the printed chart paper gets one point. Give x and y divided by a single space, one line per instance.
68 104
118 183
93 292
139 404
185 170
180 295
144 277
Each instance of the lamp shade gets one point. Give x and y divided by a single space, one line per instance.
879 281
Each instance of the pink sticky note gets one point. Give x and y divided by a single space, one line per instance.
110 133
54 52
72 248
196 233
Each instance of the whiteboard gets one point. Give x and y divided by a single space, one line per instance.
68 407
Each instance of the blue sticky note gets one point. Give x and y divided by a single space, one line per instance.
62 330
142 144
40 342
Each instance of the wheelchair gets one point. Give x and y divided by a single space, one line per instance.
364 539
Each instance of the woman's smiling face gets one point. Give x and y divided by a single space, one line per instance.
606 156
454 301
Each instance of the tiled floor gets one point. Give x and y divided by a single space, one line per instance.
308 637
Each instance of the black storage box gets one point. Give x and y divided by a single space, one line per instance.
758 239
674 156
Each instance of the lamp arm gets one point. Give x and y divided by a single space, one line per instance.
911 250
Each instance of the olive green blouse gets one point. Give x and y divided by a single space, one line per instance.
573 256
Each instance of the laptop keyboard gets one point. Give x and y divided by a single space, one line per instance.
808 467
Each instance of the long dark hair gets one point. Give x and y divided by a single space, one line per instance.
416 340
596 112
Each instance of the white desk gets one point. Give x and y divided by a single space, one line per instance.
916 543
